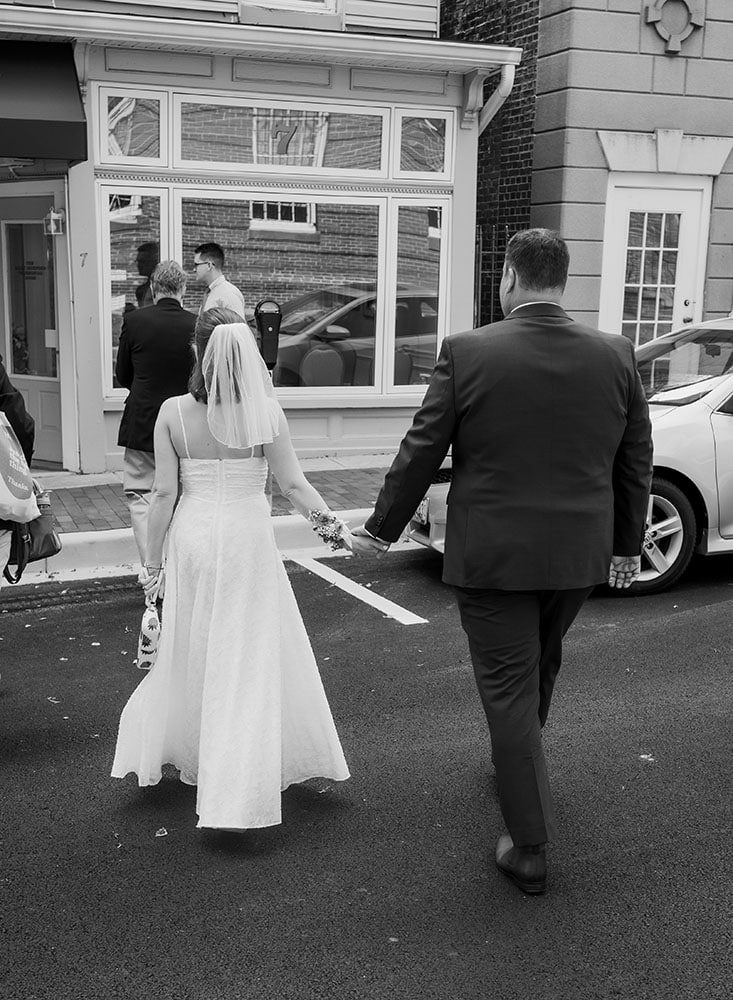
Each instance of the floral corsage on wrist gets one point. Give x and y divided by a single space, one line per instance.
329 528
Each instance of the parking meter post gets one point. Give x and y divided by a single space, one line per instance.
268 316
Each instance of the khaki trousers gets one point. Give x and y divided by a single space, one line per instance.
137 482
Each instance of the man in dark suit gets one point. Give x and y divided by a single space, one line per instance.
154 362
551 452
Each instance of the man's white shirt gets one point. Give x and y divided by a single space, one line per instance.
224 294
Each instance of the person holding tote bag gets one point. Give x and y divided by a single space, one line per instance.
12 406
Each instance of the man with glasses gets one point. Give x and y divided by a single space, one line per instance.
208 265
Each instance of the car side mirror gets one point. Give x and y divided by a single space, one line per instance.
334 332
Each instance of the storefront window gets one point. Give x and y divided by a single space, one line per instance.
284 138
134 221
325 280
418 293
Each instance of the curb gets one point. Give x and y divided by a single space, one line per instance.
88 555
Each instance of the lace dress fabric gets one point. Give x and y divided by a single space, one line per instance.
234 700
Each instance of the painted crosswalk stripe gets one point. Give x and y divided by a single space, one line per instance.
389 608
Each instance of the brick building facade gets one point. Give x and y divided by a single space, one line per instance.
619 122
506 148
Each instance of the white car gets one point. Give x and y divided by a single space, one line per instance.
688 379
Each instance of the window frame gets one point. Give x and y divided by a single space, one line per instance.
171 196
299 394
265 182
266 169
104 157
391 293
399 115
104 190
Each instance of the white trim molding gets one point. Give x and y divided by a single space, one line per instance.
667 151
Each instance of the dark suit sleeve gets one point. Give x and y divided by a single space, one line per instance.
632 470
422 450
123 368
13 406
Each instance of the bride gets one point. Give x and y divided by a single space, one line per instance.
234 700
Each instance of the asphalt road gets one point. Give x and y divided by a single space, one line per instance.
383 887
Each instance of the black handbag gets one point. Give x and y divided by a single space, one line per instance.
34 540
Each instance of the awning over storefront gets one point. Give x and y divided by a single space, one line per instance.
41 113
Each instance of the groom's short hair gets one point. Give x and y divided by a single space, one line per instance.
539 257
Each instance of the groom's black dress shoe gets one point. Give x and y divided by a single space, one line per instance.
525 866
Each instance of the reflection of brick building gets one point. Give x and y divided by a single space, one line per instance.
322 158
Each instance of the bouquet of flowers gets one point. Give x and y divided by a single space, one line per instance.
333 531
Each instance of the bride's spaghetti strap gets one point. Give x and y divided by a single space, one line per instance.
183 428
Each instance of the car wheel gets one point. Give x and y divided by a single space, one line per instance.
669 539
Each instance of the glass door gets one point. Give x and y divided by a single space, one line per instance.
654 259
30 320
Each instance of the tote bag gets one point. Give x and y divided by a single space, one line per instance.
17 498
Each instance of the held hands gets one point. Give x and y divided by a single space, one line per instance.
624 570
365 544
152 580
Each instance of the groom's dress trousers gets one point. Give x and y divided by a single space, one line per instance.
154 362
551 455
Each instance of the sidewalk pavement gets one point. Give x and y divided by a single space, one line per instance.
93 519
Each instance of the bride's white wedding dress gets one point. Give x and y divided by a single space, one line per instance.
234 700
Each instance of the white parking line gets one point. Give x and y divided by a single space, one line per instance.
389 608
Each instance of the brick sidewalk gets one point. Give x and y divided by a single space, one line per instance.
97 508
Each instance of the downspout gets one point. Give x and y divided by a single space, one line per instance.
494 103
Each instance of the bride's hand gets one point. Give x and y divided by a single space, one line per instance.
153 583
348 540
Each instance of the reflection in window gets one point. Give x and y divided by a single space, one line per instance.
291 215
418 289
134 242
133 127
289 138
327 290
422 147
650 275
328 332
280 137
695 358
226 222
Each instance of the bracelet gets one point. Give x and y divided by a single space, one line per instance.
328 527
153 569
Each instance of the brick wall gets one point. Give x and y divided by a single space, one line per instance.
506 147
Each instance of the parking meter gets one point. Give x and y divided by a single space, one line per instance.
267 316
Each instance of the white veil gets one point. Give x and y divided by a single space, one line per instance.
242 410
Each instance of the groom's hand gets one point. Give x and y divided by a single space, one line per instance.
366 544
623 571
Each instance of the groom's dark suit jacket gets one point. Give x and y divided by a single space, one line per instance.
551 452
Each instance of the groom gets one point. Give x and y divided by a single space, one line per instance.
551 452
